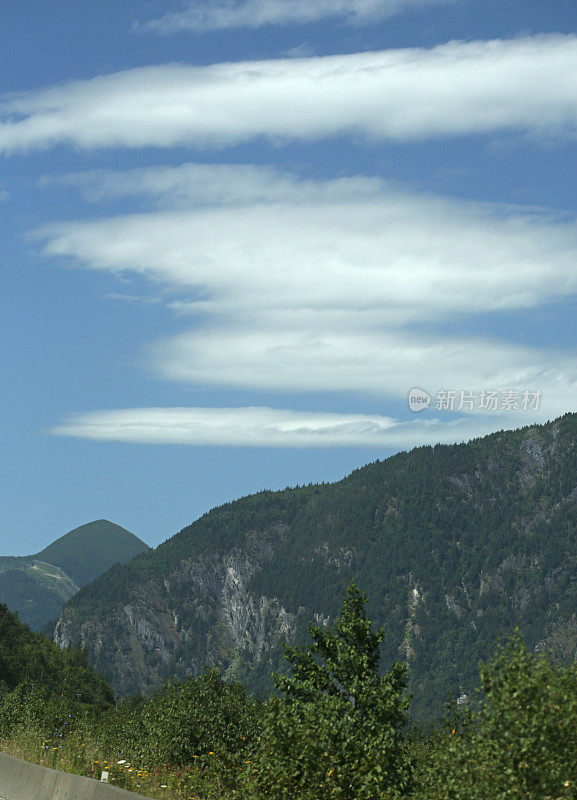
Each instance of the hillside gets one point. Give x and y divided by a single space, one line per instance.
37 586
455 546
88 551
28 659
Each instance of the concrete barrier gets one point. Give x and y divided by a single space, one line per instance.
21 780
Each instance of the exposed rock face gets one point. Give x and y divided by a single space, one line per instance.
416 595
202 613
453 606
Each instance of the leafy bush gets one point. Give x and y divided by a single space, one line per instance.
205 720
522 743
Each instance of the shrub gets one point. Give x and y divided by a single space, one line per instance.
204 719
522 743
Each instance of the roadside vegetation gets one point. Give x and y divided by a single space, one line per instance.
336 726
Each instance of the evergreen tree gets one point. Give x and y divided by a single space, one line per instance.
336 732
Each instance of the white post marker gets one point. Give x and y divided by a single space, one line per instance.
104 776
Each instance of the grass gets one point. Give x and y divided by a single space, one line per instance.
197 781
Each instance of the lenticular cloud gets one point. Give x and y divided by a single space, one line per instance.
263 427
525 85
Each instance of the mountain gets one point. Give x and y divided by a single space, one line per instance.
455 545
37 586
88 551
28 658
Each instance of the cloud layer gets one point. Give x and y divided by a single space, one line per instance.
384 364
268 427
227 14
525 85
348 285
358 251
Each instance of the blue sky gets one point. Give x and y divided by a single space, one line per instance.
237 234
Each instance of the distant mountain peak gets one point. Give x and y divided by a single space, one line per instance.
87 551
36 586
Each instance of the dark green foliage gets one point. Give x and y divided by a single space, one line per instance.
198 719
39 682
52 717
336 731
522 743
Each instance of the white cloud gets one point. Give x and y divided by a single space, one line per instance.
300 285
353 253
268 427
525 85
227 14
382 363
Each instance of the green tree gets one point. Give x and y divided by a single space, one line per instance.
336 732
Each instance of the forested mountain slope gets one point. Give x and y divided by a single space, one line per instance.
455 546
29 660
37 586
88 551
